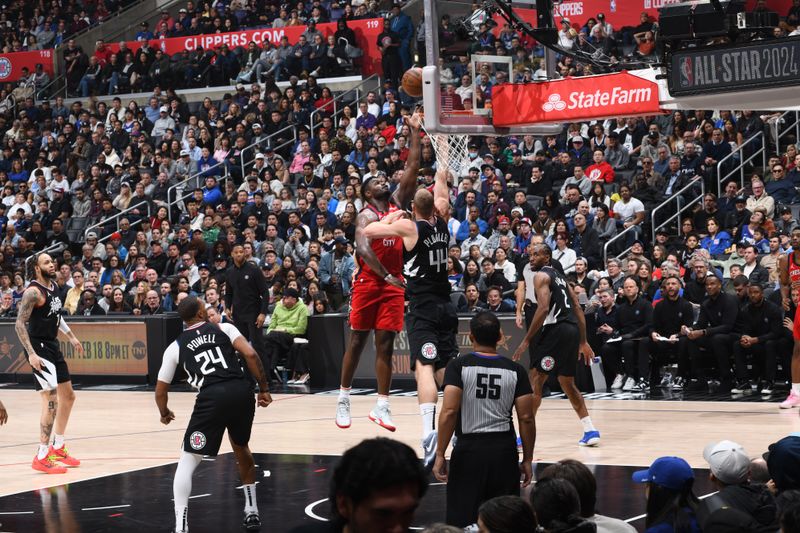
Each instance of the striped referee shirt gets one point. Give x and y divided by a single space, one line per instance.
490 385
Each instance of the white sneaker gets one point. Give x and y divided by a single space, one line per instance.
630 384
618 381
382 415
343 412
429 449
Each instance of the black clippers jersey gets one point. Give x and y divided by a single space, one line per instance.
560 302
426 264
207 355
44 320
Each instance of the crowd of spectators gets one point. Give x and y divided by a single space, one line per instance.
43 25
251 168
748 494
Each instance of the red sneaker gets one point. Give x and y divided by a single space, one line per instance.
62 456
47 466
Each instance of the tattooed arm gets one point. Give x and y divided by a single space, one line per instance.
30 298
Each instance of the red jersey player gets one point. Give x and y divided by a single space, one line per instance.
789 267
377 298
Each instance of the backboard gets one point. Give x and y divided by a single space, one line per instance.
445 111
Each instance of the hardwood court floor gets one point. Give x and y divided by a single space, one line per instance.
119 431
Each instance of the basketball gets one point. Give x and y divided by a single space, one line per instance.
412 82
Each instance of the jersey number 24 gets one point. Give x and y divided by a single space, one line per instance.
209 357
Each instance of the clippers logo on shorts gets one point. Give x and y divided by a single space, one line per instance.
197 440
428 351
548 363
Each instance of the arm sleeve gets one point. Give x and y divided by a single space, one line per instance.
452 375
647 320
169 363
523 383
261 287
728 319
230 330
229 289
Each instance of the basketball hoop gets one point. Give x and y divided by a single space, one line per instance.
452 150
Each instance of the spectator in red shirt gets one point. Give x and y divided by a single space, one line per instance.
601 170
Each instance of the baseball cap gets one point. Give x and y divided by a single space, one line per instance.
91 235
517 211
116 236
184 152
653 135
486 165
256 125
503 219
490 156
526 220
201 266
639 242
577 139
740 200
516 152
291 292
340 240
260 156
668 472
220 257
728 461
164 109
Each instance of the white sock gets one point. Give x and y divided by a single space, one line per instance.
181 518
344 392
586 422
796 388
250 504
58 442
383 400
428 412
182 487
42 453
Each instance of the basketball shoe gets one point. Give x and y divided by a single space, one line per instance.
47 466
590 438
252 522
382 415
793 400
343 413
62 456
429 449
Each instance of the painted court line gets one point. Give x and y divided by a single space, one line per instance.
120 506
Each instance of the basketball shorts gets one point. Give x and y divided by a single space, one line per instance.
54 367
432 327
376 306
225 405
796 328
556 349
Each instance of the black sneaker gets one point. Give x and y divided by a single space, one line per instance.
252 522
767 387
741 387
678 383
642 386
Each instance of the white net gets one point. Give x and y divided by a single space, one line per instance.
452 151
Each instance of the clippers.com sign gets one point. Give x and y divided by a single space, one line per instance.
573 99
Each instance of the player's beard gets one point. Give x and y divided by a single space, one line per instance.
48 276
382 195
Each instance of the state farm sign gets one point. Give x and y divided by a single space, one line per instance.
573 99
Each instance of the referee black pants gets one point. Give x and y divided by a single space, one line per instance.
481 468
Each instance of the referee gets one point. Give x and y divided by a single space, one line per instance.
480 390
247 302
